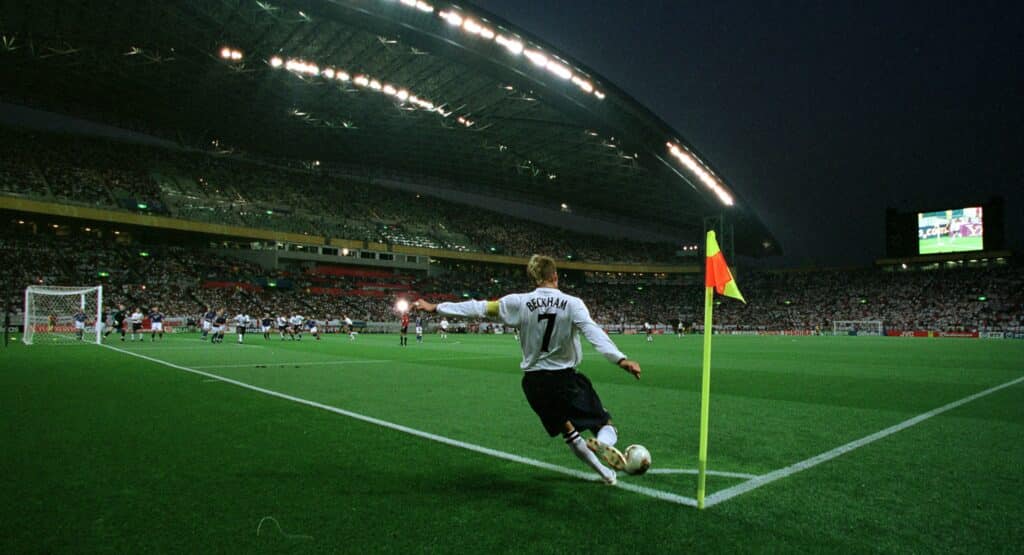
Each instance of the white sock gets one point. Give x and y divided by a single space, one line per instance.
578 446
607 435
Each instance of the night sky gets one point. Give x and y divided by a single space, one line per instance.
821 115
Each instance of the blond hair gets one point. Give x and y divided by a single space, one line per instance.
541 268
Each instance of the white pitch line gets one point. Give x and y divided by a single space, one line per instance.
588 476
740 489
724 474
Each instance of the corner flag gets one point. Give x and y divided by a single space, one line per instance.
717 277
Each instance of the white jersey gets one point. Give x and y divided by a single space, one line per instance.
281 321
242 321
444 325
136 318
549 322
296 320
348 321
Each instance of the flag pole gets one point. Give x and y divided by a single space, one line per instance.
705 397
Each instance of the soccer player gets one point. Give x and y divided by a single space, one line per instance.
295 326
242 321
564 399
119 315
265 325
443 329
680 330
282 326
219 323
403 340
650 331
156 324
419 330
136 321
207 321
51 323
349 329
313 329
79 319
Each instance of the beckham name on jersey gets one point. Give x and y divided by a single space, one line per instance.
534 304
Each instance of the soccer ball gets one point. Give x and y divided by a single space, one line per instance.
638 459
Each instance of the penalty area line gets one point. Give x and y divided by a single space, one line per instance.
765 479
588 476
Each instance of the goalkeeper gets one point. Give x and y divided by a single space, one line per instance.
564 399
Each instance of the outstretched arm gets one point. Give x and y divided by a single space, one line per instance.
504 309
600 340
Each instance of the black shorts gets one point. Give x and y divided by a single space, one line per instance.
118 325
558 396
240 330
405 329
136 326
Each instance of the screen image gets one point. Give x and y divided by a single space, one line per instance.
950 231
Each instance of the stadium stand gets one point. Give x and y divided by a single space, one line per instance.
198 186
183 280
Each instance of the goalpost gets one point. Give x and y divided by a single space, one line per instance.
50 315
857 327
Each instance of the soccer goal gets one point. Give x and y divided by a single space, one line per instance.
63 315
856 327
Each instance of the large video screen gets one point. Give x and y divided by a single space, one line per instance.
950 231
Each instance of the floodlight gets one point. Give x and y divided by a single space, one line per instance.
276 61
559 69
225 53
538 58
328 73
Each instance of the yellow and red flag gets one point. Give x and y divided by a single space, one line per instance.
717 277
716 272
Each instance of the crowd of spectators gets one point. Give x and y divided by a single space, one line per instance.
183 280
222 190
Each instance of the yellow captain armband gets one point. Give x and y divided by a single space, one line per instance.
492 308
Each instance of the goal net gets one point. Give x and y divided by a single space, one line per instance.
67 315
857 327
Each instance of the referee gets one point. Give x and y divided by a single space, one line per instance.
549 322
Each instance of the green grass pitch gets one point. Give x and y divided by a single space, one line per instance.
104 451
960 244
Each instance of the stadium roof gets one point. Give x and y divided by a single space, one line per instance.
409 87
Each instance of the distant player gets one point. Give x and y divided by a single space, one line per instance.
136 321
79 319
350 329
51 323
680 330
119 317
564 399
265 326
295 326
220 323
242 322
443 329
282 326
312 328
156 324
650 331
403 340
419 330
206 321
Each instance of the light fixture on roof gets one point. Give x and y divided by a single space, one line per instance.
451 17
537 57
276 61
512 45
375 84
342 76
329 73
559 69
225 53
